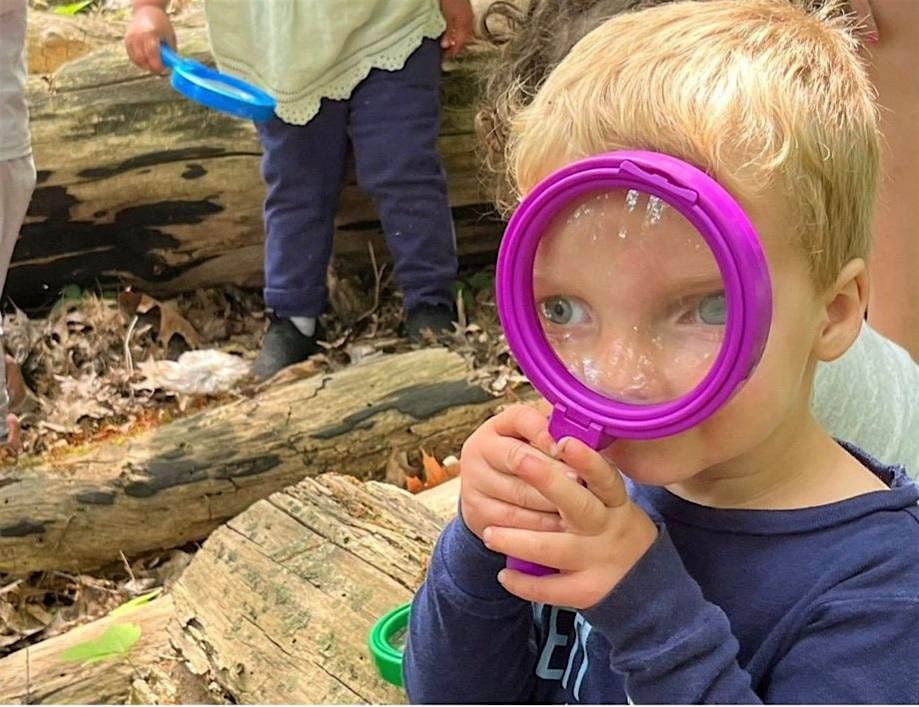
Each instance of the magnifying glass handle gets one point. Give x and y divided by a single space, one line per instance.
563 425
169 57
531 568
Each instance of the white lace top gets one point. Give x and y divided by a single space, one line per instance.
301 51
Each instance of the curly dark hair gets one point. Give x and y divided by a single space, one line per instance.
529 42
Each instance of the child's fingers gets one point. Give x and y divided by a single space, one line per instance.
152 54
602 479
135 47
505 453
526 423
552 589
498 479
553 549
14 443
556 481
498 513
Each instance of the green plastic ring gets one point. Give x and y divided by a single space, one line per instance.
387 658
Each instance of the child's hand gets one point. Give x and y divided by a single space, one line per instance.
490 491
459 17
604 533
150 26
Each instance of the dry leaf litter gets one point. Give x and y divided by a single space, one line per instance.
101 368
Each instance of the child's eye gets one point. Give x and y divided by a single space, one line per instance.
562 311
709 310
712 310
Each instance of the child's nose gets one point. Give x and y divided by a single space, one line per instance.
630 370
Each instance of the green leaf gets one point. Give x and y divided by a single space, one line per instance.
71 291
136 602
115 643
468 299
73 8
482 280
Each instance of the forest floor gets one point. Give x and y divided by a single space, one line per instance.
103 366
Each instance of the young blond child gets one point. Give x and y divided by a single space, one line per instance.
869 396
751 558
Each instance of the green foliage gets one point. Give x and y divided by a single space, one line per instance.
73 8
472 284
136 602
71 291
114 644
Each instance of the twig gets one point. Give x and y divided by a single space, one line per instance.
128 358
11 586
461 310
126 565
65 575
377 282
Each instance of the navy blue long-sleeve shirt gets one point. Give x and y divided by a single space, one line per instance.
816 605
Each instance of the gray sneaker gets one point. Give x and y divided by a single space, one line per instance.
434 318
283 346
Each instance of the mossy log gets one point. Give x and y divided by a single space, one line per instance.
138 185
275 607
178 482
39 674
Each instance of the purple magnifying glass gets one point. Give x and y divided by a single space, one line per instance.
635 295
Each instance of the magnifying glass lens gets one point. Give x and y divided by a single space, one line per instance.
219 87
629 296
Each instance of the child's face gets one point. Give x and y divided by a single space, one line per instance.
632 301
630 297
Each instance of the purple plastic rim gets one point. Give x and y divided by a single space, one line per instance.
527 567
732 238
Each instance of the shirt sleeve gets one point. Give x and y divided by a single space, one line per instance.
469 640
855 651
677 648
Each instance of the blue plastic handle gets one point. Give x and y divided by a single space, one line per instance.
169 57
216 90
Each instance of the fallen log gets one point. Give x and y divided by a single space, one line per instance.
277 604
138 185
176 483
327 555
442 499
53 40
39 674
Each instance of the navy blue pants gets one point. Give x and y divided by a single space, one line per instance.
392 121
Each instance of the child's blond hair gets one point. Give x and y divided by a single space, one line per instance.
760 93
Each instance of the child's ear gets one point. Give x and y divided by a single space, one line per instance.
846 302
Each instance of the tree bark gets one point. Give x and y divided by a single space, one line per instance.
277 605
178 482
53 40
138 185
38 674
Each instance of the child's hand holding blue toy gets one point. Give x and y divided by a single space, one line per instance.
216 90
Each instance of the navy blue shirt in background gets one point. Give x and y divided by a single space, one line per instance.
816 605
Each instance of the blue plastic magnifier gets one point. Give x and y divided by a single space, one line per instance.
216 90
